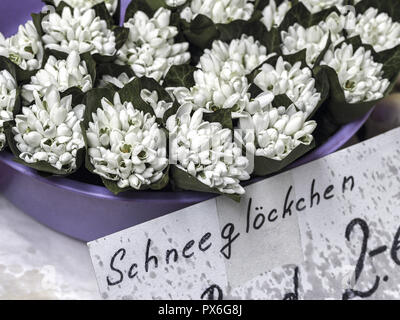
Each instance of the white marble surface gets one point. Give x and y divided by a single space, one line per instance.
38 263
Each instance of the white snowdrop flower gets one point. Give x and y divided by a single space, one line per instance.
24 48
50 131
119 81
213 93
220 82
273 14
296 82
219 11
126 145
237 58
78 31
361 78
159 106
376 29
175 3
111 5
8 95
273 134
315 38
61 74
315 6
150 49
206 151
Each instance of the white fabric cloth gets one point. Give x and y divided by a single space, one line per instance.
38 263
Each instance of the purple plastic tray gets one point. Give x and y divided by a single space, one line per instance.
88 212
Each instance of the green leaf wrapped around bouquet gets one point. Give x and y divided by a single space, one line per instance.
150 7
24 50
148 95
60 31
264 167
113 76
113 6
71 74
10 97
287 80
275 139
182 180
180 76
125 145
46 136
204 156
301 15
202 31
310 34
229 20
369 77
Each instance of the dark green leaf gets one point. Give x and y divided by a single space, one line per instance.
183 180
76 93
180 76
201 32
147 6
323 87
121 35
114 70
272 40
104 14
342 111
265 167
300 14
282 100
223 116
131 92
170 112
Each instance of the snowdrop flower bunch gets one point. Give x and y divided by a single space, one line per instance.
50 131
315 6
274 135
150 49
315 38
126 145
219 11
175 3
376 29
78 31
220 82
61 74
359 75
118 82
83 5
25 48
206 151
296 82
273 14
8 96
159 106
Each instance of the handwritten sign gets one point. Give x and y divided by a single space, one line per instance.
327 230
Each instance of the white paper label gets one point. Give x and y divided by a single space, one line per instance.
326 230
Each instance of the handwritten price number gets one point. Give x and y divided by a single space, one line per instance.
394 254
